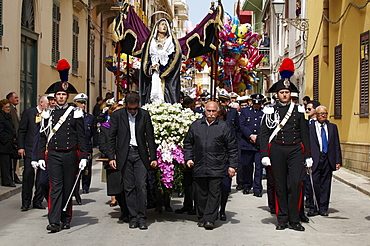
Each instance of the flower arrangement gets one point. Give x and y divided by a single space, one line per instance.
171 123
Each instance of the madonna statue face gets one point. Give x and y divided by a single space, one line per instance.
162 27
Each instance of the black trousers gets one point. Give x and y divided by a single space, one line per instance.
322 184
62 167
208 196
287 166
28 183
6 169
187 184
270 188
86 177
134 184
252 170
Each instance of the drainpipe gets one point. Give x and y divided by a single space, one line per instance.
88 54
325 29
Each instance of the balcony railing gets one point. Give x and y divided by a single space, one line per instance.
265 62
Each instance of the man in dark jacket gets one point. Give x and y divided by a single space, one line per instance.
207 145
28 128
131 134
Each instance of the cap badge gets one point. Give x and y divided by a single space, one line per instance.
65 85
286 83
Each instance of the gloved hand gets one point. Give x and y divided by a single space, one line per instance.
34 164
309 162
82 164
266 161
42 164
105 109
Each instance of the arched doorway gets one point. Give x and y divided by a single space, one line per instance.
28 66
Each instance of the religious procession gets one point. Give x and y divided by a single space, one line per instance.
158 139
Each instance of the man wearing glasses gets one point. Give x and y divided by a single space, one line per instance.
327 157
311 110
132 150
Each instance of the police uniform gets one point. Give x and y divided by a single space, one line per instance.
250 120
286 152
203 97
62 152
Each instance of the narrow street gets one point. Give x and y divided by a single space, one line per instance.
249 223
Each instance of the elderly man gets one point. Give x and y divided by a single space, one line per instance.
208 143
28 128
327 157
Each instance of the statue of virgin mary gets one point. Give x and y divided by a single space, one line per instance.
160 66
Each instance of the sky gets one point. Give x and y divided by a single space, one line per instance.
199 8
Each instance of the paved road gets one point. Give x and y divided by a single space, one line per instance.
249 223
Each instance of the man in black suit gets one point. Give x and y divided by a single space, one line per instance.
131 134
327 157
28 128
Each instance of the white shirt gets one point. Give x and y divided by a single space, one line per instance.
131 121
318 132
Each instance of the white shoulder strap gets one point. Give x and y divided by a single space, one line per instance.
282 123
59 123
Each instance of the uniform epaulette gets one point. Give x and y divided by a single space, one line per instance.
301 108
45 114
268 110
78 113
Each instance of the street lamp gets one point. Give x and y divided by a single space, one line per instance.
299 23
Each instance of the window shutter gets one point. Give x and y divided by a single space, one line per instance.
316 78
55 55
338 83
75 45
364 75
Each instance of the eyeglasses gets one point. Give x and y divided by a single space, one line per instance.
322 114
308 109
128 108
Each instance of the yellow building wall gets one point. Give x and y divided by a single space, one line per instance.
354 131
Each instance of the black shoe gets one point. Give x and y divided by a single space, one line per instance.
246 191
324 214
257 194
78 199
10 185
17 181
239 187
209 225
66 226
53 228
200 224
296 226
181 210
158 209
311 214
303 218
123 218
168 209
192 212
85 191
222 216
133 224
143 226
281 226
38 206
24 208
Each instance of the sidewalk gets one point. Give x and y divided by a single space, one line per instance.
355 180
6 192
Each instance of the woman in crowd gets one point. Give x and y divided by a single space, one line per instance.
7 140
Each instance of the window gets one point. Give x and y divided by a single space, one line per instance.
338 83
1 22
316 78
364 75
55 54
75 30
92 57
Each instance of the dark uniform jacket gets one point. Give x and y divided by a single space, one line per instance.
71 134
7 133
334 151
27 130
233 119
89 125
119 137
295 131
250 122
209 146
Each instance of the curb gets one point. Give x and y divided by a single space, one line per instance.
355 186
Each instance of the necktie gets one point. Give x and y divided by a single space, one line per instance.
324 139
312 121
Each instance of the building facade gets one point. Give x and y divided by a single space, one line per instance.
338 73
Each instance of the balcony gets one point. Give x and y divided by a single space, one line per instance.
180 4
265 62
182 14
